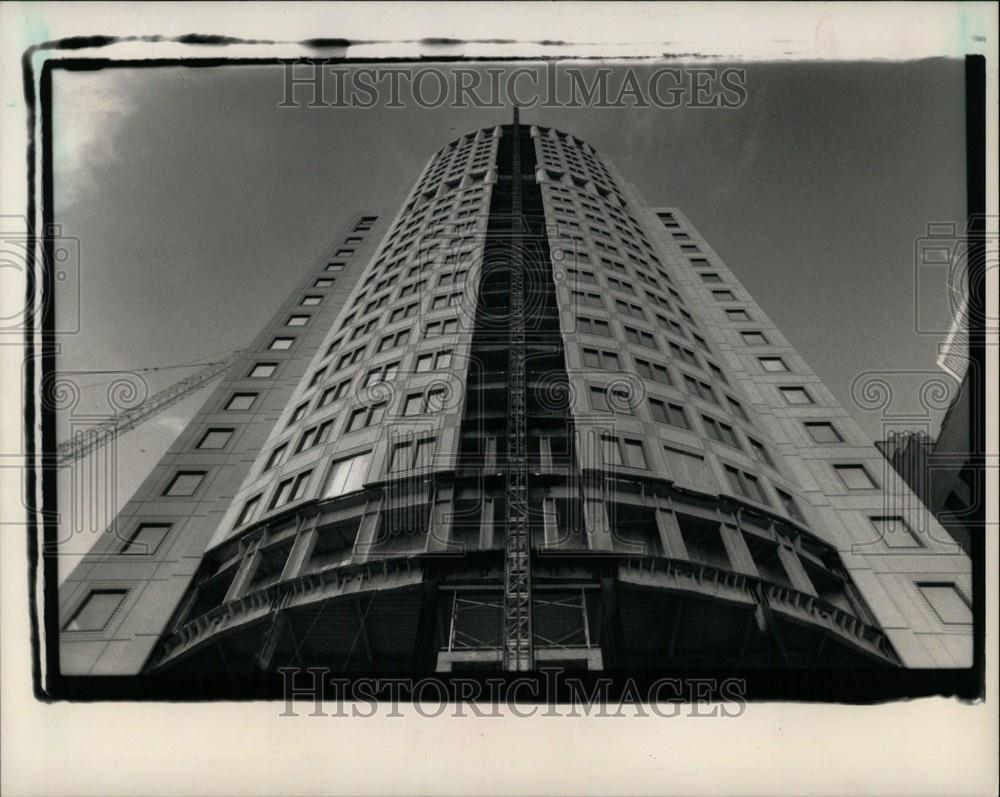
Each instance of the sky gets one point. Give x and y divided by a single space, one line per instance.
198 202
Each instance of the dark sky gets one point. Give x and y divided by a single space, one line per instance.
199 202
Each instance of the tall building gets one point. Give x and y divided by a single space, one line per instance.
528 421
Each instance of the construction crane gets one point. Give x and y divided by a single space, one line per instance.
83 442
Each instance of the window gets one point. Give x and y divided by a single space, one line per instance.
347 475
299 413
248 512
311 301
435 361
724 296
745 484
145 539
241 401
596 358
290 489
297 321
407 312
683 353
711 278
593 326
96 610
720 431
772 364
737 409
654 371
702 390
855 477
619 399
185 483
276 457
317 377
587 298
640 337
790 506
423 403
314 436
263 370
446 327
393 340
350 358
896 532
215 438
411 455
796 395
281 344
381 373
823 432
665 412
738 315
323 282
947 602
628 308
699 262
754 338
760 452
622 451
364 417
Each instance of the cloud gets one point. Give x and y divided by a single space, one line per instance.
88 110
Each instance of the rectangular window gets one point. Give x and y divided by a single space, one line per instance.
314 436
311 301
682 353
297 321
263 370
281 344
145 539
96 611
317 377
760 452
711 279
855 477
745 484
823 432
299 413
754 338
653 371
411 455
364 417
665 412
702 390
722 432
640 337
347 475
587 298
323 282
593 326
394 340
622 451
738 315
896 532
772 364
796 395
596 358
628 308
737 409
249 512
185 483
947 602
790 506
724 296
277 457
381 373
216 438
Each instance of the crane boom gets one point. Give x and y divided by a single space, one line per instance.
83 442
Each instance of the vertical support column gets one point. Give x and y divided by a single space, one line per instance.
517 644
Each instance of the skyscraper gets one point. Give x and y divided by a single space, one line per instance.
529 420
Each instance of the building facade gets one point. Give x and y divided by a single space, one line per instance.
527 421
